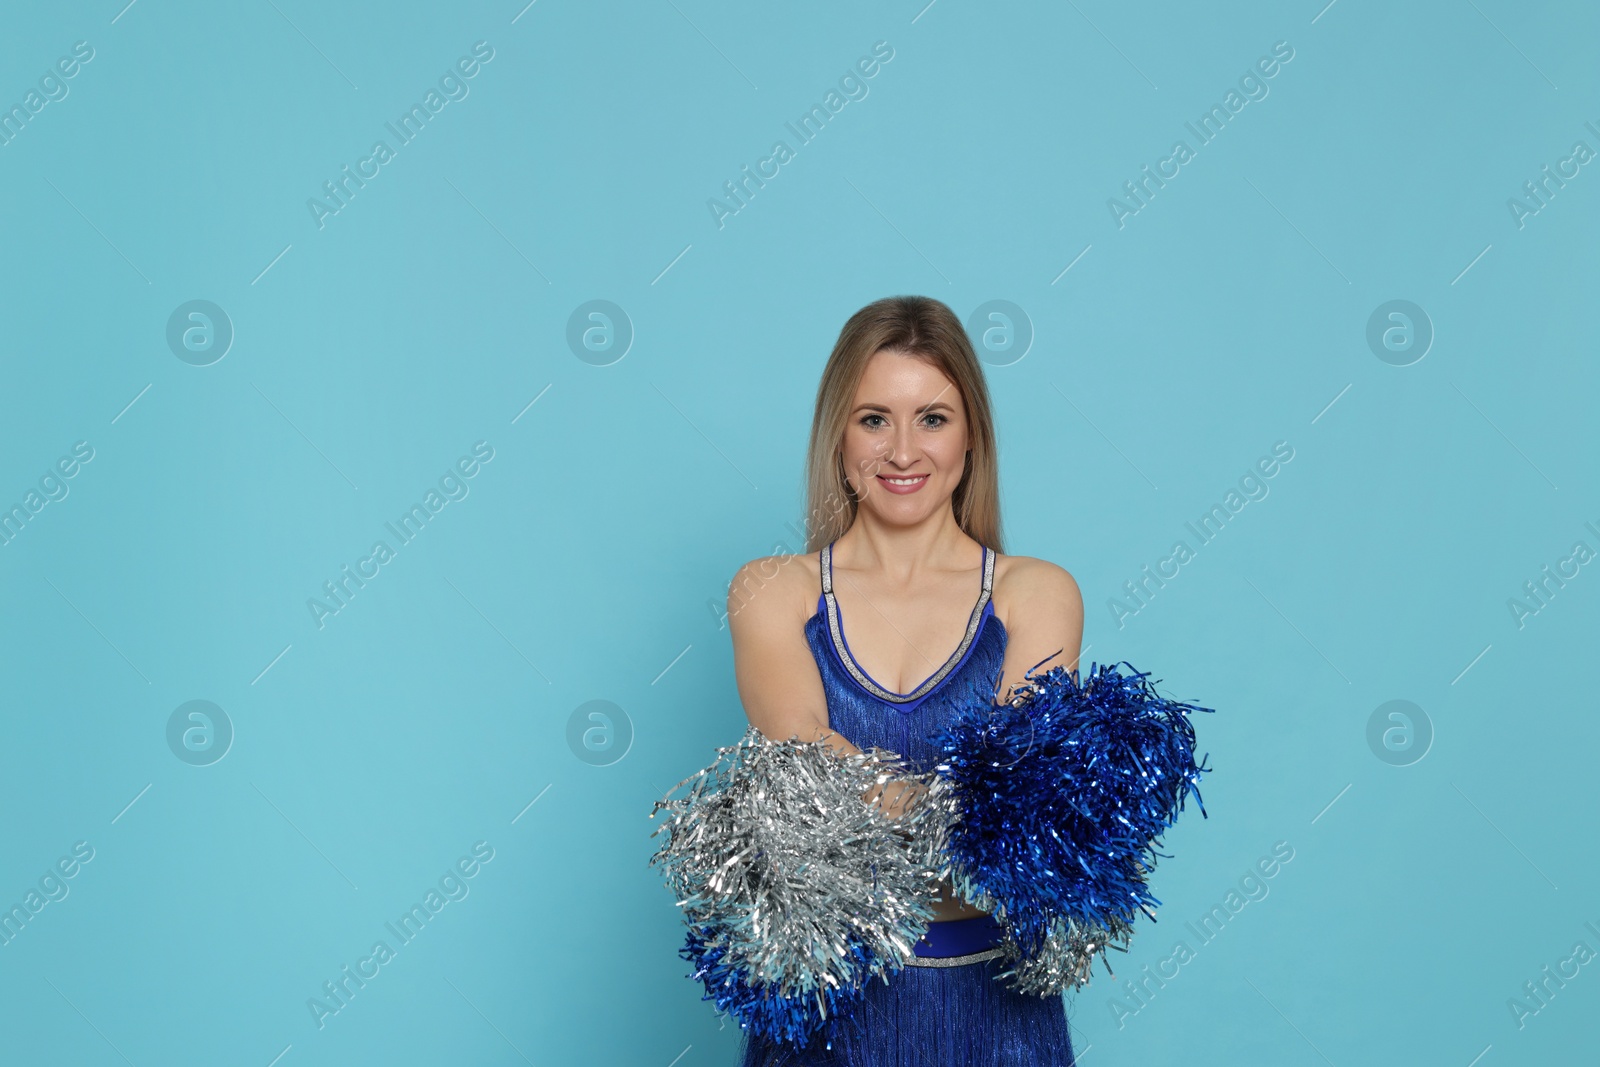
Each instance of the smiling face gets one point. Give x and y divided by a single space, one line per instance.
905 441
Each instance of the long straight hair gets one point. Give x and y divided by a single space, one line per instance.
927 329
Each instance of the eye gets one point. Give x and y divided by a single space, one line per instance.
939 420
866 420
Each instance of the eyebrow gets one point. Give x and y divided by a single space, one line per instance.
881 407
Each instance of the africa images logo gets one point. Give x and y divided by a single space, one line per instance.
1207 128
453 486
852 86
452 84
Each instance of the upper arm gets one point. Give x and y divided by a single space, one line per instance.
1044 619
778 681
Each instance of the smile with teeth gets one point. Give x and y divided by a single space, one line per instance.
902 483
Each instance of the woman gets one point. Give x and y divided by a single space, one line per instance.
904 521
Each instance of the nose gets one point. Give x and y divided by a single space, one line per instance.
902 447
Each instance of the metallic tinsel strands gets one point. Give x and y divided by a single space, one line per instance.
1062 795
796 890
1065 958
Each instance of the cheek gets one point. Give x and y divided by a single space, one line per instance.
950 452
859 446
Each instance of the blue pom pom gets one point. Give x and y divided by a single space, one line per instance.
1063 795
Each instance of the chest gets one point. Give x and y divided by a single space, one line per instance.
907 726
900 637
905 640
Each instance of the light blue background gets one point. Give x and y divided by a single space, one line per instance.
590 557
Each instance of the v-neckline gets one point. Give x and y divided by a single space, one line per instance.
980 611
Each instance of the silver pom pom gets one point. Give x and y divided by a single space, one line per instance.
806 887
1066 958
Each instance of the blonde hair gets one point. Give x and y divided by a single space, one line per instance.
927 329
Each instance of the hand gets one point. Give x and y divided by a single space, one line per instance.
896 797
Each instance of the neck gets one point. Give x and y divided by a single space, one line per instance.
936 543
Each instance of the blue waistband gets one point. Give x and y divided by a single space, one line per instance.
959 937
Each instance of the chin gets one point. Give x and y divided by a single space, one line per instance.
905 513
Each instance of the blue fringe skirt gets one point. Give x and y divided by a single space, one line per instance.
947 1009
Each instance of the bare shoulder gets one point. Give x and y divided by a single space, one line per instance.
1026 586
774 590
1025 575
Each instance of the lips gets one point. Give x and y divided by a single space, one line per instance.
902 484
